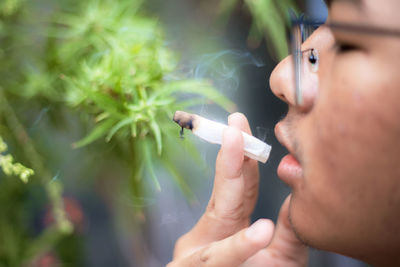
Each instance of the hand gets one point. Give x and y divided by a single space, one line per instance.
222 237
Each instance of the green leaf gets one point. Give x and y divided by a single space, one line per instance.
178 179
157 134
149 164
104 101
190 103
269 16
102 116
199 87
225 8
162 102
118 126
133 129
99 131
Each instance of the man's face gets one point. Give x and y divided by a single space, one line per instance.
345 140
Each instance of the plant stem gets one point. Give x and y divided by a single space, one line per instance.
53 188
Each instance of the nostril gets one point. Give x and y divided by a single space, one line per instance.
282 97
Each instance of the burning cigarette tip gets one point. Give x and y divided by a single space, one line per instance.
184 119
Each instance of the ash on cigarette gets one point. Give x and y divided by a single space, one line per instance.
184 119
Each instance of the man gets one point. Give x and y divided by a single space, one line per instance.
342 131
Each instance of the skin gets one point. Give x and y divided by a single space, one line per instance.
346 194
222 237
346 140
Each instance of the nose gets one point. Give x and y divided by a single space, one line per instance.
282 83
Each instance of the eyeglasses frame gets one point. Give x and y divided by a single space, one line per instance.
299 23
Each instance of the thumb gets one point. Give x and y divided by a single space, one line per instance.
234 250
285 244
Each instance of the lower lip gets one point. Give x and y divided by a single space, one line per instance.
290 170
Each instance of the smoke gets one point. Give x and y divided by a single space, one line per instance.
224 67
38 119
261 133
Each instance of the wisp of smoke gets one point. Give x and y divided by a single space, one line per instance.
223 67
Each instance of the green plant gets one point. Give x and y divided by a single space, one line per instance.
104 65
103 62
270 21
11 168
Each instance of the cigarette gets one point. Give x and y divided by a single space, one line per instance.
211 131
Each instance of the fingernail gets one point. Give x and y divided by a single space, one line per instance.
258 230
235 117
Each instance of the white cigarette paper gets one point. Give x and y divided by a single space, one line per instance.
212 131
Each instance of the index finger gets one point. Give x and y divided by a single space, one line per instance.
250 167
235 187
224 213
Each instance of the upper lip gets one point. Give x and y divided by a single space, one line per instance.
281 133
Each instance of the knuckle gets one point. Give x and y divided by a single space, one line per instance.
210 206
252 191
251 196
205 255
231 215
230 219
220 210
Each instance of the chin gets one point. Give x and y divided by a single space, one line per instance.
313 230
297 223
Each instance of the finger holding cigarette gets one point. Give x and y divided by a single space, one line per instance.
212 131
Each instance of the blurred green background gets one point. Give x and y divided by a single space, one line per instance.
94 172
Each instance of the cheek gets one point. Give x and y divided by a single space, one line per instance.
351 143
342 149
355 129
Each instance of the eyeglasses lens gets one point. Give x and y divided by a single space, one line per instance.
300 33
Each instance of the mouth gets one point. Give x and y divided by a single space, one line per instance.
290 170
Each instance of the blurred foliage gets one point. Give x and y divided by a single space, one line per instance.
9 7
106 63
270 21
11 168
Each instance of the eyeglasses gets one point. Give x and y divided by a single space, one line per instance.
302 28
